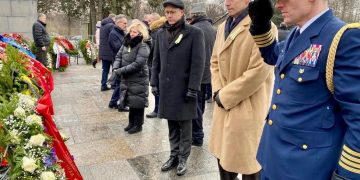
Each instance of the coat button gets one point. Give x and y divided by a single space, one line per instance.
300 79
270 122
282 76
274 107
304 146
278 91
301 71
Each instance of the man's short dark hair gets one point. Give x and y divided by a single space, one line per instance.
119 17
41 15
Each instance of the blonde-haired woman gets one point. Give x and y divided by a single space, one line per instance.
131 65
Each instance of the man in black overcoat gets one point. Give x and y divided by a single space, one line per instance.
200 20
178 65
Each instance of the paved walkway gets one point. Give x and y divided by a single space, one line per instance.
101 148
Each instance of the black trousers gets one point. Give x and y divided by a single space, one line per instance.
226 175
136 116
41 56
197 128
180 138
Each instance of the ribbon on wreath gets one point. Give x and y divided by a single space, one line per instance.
62 152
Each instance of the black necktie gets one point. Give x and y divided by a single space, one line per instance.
296 34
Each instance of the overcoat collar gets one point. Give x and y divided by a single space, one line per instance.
183 33
235 32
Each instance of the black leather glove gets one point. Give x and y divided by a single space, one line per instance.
215 94
217 99
191 95
260 12
154 90
117 72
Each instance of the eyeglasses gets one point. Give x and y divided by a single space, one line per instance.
170 12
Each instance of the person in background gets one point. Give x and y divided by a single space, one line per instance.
242 85
41 39
283 31
105 52
116 41
201 21
178 65
147 20
188 20
155 26
153 17
131 66
97 42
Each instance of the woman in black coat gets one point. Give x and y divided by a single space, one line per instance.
131 66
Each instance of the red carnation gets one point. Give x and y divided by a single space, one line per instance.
4 163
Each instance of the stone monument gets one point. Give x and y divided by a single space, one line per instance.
18 16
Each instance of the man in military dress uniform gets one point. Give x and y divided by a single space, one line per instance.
310 132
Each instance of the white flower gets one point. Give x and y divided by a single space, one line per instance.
26 102
47 175
37 140
50 62
28 164
89 53
34 119
15 139
19 112
64 136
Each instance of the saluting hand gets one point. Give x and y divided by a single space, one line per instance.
260 12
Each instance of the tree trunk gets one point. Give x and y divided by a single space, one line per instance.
100 9
92 18
69 26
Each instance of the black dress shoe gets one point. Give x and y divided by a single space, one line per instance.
196 144
171 163
128 127
135 129
181 169
112 105
123 109
151 115
105 88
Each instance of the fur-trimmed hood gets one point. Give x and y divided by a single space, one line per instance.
158 23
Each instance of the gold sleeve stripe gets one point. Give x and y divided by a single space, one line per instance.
351 169
266 39
347 156
266 43
351 152
262 35
350 163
